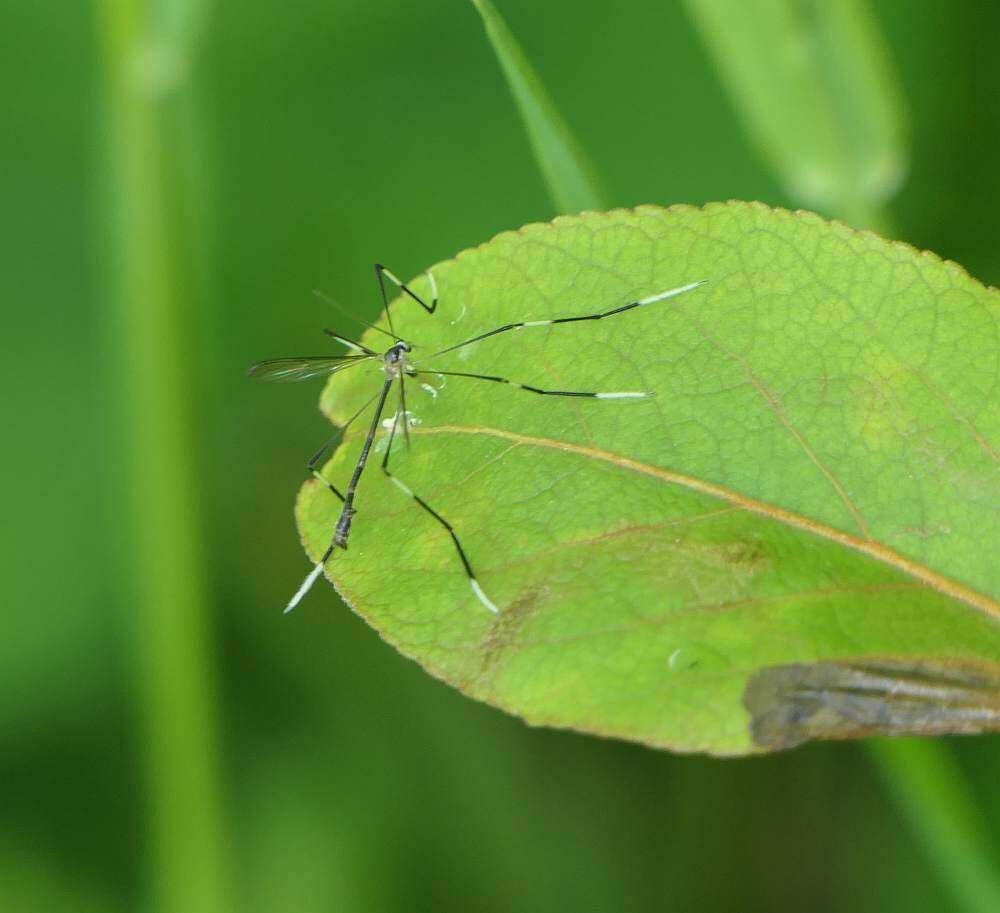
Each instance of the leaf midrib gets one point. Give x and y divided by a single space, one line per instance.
936 581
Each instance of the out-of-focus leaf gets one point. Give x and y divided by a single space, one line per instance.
815 486
818 95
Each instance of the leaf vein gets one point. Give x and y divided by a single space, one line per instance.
873 549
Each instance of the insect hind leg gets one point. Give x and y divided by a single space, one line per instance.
406 490
466 564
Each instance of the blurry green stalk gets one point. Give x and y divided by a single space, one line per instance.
146 49
816 91
569 176
934 796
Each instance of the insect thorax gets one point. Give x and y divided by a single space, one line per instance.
394 360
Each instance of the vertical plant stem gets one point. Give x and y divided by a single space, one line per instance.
934 796
818 96
571 179
145 67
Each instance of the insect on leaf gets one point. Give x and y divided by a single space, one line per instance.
796 538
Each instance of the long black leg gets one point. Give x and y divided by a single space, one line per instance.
545 323
620 394
343 528
392 437
382 271
470 573
319 454
402 404
318 476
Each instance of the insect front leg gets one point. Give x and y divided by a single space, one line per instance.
383 273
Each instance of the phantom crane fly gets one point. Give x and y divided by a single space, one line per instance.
397 366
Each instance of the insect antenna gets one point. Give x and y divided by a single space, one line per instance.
350 343
330 301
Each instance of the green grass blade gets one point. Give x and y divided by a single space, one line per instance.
571 179
939 805
817 93
144 64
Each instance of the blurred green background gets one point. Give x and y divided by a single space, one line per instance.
168 740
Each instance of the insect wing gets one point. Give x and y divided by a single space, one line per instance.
303 367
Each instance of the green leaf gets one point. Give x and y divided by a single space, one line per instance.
818 94
796 538
570 177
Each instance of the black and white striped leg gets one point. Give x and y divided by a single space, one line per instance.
347 512
309 581
316 474
615 394
317 457
383 273
524 324
470 573
406 417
